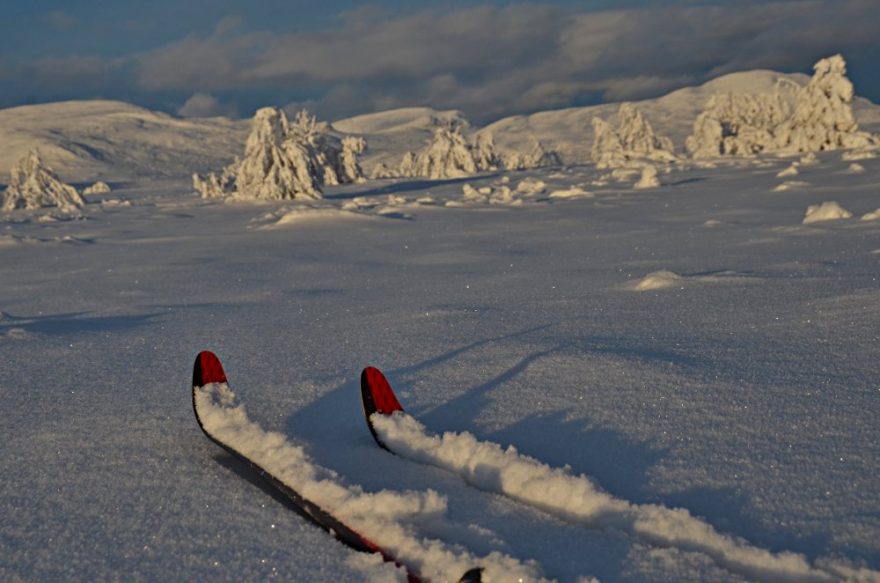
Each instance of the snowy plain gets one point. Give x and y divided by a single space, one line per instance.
693 345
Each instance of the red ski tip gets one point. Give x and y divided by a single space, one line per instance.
377 393
207 369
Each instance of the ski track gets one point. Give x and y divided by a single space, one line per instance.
577 499
379 516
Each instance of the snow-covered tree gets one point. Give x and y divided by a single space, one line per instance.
285 160
632 140
790 119
823 117
537 157
33 185
447 156
484 152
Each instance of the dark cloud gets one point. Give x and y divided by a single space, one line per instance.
489 61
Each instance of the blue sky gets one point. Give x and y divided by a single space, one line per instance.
489 59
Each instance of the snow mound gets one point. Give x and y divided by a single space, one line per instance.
816 117
826 211
286 160
492 195
859 154
33 185
578 500
872 216
791 170
658 280
99 187
649 178
855 168
571 192
791 185
633 139
531 186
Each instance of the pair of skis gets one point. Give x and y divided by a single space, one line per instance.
313 491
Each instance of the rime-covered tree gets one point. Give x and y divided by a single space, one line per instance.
632 140
285 160
33 185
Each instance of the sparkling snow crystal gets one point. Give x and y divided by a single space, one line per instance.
33 185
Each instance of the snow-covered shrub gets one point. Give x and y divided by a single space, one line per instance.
790 119
633 139
537 157
33 185
826 211
286 160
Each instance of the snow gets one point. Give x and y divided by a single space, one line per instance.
577 499
818 116
632 140
99 187
745 394
381 517
648 178
32 185
826 211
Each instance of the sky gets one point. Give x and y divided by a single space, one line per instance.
489 59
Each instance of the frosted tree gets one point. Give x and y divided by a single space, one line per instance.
484 152
607 148
285 160
633 139
789 119
823 117
537 157
33 185
350 167
741 124
447 156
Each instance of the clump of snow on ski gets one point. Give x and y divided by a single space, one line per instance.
378 519
576 499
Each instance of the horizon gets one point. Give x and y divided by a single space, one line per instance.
490 60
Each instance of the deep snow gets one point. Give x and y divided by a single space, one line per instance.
689 345
746 393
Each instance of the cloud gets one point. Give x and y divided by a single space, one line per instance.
205 105
490 61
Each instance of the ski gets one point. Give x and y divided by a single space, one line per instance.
365 522
573 498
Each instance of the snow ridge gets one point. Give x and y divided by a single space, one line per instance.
578 500
379 516
33 185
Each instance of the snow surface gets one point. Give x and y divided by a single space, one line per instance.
746 394
577 499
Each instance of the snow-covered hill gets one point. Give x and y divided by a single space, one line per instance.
85 140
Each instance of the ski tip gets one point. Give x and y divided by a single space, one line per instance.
474 575
207 369
377 395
